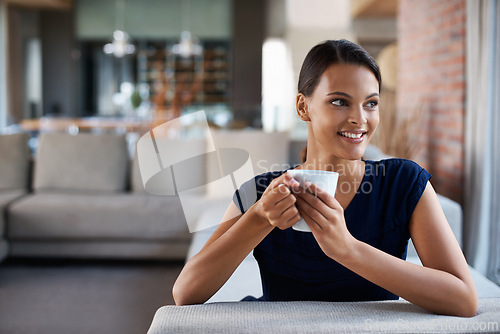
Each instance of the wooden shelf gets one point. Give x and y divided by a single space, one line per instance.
207 77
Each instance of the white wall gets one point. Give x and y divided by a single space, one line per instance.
278 92
97 19
314 21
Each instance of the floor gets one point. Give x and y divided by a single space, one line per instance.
49 296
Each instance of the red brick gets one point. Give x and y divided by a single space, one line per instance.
431 35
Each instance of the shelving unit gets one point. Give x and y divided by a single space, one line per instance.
175 82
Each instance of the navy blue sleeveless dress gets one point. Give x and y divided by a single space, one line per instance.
292 265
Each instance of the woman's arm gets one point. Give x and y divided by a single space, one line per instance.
206 272
442 285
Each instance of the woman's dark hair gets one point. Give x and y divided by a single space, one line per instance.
329 53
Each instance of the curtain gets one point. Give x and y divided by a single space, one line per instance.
482 140
494 264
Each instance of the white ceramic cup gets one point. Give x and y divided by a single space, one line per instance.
323 179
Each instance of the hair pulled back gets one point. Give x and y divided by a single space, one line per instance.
329 53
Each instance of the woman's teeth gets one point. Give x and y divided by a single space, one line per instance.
351 135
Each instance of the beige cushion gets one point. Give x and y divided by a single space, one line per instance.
14 166
136 184
182 157
267 151
97 249
70 216
6 198
82 162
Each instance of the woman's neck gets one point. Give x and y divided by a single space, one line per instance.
347 169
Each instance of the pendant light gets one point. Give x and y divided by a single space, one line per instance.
188 45
120 46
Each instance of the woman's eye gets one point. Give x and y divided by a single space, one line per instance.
372 104
338 103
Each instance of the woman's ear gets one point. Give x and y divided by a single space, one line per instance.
302 107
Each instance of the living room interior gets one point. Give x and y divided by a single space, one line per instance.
85 247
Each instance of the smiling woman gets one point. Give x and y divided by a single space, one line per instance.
356 249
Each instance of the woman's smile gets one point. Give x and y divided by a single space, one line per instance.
353 137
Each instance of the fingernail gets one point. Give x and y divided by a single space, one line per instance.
285 189
308 184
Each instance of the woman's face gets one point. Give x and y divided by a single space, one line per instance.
343 111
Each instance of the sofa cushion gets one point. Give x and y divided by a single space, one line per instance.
97 249
7 197
82 162
15 161
68 216
136 184
166 153
268 152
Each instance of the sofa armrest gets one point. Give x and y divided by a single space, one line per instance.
320 317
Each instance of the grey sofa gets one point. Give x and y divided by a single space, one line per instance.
83 198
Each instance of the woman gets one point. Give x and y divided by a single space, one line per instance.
357 247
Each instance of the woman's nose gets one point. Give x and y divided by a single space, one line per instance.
357 116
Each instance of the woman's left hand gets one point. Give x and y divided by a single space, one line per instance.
325 217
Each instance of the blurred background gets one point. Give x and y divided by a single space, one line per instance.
128 65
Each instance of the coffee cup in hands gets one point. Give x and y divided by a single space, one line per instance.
323 179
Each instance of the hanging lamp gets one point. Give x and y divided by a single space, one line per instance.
120 46
188 45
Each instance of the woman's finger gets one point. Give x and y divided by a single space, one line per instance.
311 208
282 205
290 216
323 195
284 178
313 224
272 197
313 205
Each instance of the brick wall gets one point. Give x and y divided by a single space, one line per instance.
431 81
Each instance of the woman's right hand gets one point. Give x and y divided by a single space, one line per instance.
277 203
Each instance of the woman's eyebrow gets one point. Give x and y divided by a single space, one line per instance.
372 95
350 97
340 93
